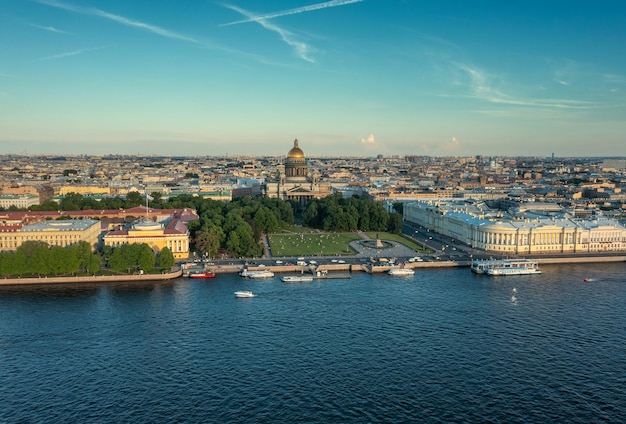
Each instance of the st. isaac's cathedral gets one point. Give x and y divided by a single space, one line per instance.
294 181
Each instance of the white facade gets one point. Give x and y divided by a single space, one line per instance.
22 201
496 231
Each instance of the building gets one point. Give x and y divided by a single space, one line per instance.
516 231
61 233
171 233
20 201
294 181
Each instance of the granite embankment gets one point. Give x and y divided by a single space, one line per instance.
92 279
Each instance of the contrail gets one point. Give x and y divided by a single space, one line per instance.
310 8
117 18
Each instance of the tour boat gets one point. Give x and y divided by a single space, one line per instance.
258 274
202 275
401 272
244 294
505 266
296 279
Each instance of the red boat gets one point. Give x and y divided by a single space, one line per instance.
202 275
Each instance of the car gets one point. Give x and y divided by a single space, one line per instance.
313 262
278 262
341 261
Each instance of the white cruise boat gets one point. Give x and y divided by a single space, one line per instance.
259 274
296 279
401 272
505 266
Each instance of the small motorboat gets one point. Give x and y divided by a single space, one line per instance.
243 294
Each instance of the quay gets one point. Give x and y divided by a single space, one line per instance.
322 271
92 279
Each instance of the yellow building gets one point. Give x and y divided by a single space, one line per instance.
84 190
56 233
173 234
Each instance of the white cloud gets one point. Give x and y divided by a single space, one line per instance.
369 139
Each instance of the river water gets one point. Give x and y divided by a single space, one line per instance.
444 345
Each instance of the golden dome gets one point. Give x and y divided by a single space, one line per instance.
296 152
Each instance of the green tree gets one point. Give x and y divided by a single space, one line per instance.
145 257
207 242
71 202
133 198
165 258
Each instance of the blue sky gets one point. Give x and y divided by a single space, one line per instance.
345 77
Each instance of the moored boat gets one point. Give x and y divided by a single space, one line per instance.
202 275
401 272
258 274
296 279
497 267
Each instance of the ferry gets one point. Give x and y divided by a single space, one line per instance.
296 279
401 272
202 275
505 267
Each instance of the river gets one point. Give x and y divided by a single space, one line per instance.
444 345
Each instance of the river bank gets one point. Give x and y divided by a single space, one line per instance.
91 279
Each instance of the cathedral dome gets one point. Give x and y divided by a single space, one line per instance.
295 152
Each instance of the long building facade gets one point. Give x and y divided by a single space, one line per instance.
61 233
517 233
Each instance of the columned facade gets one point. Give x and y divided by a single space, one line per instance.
518 236
294 181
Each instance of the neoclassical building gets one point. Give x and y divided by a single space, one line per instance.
516 232
61 233
172 233
294 180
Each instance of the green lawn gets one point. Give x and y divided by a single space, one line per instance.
400 239
311 243
302 241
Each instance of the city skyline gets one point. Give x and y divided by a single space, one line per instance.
345 77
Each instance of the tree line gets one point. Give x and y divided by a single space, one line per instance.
235 228
336 213
38 259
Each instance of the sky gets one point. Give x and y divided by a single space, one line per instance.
344 77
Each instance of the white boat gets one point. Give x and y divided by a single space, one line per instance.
260 274
296 279
505 266
244 294
401 272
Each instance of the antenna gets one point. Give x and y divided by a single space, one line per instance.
145 192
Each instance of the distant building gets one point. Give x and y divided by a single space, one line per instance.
61 233
294 181
21 201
